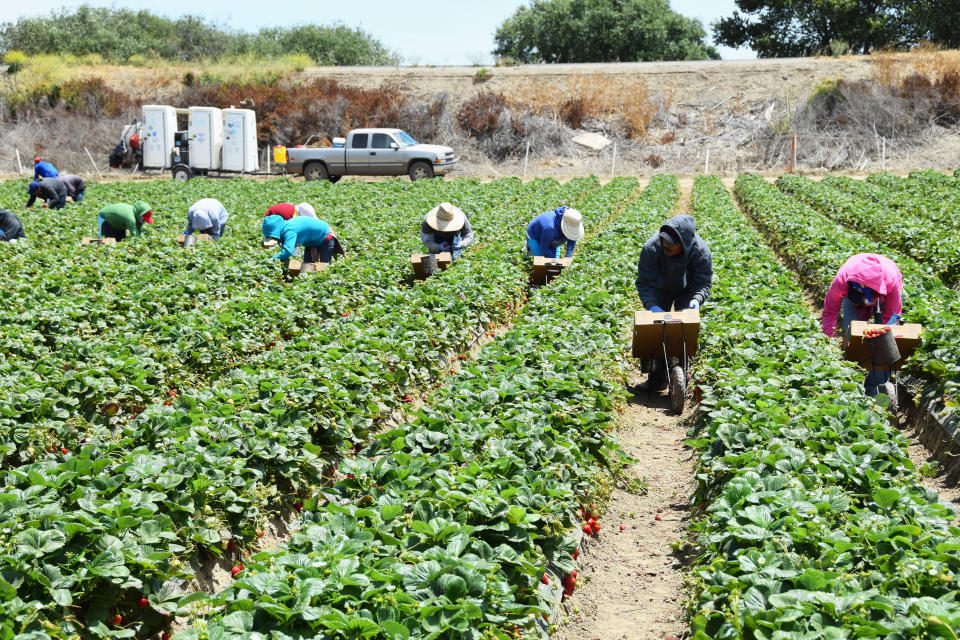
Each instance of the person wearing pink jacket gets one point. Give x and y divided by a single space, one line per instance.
867 287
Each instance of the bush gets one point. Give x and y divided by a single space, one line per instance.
480 115
15 61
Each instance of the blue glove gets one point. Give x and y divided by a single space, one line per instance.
445 246
694 304
655 309
894 319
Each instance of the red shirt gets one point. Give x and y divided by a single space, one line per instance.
285 210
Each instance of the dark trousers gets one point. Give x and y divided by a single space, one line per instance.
673 300
108 231
322 252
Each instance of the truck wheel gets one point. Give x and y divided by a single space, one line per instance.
182 172
315 171
420 170
334 178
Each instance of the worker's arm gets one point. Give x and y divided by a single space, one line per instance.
466 235
289 244
428 238
190 228
132 225
700 276
570 245
218 218
892 304
647 278
36 172
31 199
831 305
100 222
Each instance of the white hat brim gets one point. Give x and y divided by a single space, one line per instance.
572 232
459 217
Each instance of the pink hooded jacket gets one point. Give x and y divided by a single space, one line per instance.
871 270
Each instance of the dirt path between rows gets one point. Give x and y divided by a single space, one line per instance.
632 579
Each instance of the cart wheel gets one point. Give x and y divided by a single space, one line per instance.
678 389
182 172
891 390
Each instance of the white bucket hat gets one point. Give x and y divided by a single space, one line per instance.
304 209
446 217
572 225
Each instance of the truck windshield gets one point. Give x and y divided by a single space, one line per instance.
405 139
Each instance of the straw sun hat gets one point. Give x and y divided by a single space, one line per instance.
572 225
446 217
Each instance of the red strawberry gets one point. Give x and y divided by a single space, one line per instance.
545 579
592 522
623 527
298 506
143 603
576 552
260 533
165 635
408 398
587 529
236 569
64 450
230 545
116 620
596 528
657 517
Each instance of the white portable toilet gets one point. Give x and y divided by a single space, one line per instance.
240 151
159 125
206 137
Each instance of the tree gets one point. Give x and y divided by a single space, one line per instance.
778 28
601 31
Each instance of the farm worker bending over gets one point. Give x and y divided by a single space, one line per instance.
446 228
76 187
42 169
286 210
207 216
116 219
551 229
867 287
52 190
314 235
675 271
11 229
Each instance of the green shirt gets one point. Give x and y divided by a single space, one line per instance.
125 216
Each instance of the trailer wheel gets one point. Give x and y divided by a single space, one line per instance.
315 171
334 178
420 170
182 172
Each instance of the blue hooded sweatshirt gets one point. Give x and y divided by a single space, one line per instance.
303 231
44 170
685 277
545 229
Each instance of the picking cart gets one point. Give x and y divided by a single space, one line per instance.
671 336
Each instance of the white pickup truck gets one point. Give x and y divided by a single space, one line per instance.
372 152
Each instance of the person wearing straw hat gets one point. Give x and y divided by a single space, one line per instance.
52 191
207 216
446 228
675 272
867 287
113 221
314 235
43 169
287 210
551 229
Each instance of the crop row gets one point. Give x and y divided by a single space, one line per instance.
814 521
862 206
818 247
214 460
446 526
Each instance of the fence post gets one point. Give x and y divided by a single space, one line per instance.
793 153
706 164
526 157
18 161
613 164
93 163
883 154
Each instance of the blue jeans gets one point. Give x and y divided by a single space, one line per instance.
875 379
322 252
78 197
533 248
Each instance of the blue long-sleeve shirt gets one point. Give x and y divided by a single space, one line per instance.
207 216
545 229
44 169
303 231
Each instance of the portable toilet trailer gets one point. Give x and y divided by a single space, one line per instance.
205 127
240 151
159 126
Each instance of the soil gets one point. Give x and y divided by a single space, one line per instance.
633 580
945 486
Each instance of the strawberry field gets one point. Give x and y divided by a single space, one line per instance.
432 444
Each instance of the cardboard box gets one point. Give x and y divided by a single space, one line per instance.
198 237
444 260
546 269
650 329
906 335
85 241
296 267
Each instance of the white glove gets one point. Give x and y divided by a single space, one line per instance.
694 304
